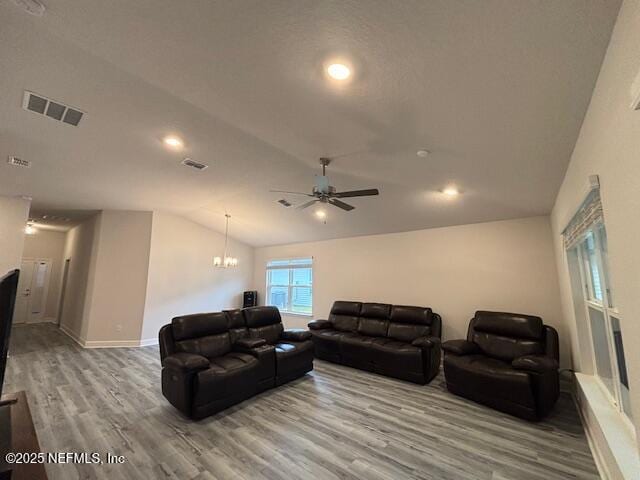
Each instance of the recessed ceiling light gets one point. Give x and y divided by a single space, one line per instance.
423 153
451 192
321 214
173 141
338 71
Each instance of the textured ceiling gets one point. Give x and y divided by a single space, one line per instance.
496 90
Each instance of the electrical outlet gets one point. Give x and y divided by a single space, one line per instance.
118 328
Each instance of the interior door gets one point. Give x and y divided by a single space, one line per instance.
23 299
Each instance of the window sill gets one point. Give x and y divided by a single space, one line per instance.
293 314
620 439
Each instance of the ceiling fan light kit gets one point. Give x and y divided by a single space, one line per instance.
324 192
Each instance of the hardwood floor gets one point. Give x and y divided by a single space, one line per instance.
337 423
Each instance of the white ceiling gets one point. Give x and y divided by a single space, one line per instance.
496 90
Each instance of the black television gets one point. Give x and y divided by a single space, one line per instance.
8 291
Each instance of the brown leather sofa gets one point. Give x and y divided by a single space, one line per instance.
508 362
211 361
393 340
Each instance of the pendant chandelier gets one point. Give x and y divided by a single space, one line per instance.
226 261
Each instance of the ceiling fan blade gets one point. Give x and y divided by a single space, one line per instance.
342 205
357 193
292 193
305 205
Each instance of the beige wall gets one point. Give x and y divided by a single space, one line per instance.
120 277
48 244
14 213
506 265
609 146
79 249
182 278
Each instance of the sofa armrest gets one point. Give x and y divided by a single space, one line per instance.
426 342
535 363
186 362
249 342
460 347
320 324
296 334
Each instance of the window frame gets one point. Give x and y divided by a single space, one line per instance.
298 263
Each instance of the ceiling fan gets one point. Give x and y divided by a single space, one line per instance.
324 193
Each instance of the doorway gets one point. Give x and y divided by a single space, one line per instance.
33 290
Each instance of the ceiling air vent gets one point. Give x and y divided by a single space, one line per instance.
284 202
193 164
18 162
52 109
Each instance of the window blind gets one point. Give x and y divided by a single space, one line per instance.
589 213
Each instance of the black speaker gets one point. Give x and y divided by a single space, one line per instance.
250 299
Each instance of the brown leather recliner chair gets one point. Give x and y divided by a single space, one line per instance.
508 362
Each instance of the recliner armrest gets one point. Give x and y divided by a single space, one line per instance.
186 362
426 342
320 324
460 347
296 334
535 363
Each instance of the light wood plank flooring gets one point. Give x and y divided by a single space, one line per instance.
337 423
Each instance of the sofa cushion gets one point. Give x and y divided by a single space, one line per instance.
210 346
375 310
505 348
395 355
344 323
261 316
509 324
198 325
357 346
236 323
228 375
489 376
412 315
271 333
350 309
407 332
373 327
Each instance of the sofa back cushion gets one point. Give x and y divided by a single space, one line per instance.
236 323
344 315
204 334
408 323
264 322
374 319
507 336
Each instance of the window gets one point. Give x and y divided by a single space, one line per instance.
290 285
604 319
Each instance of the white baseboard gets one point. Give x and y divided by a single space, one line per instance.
148 342
108 343
72 335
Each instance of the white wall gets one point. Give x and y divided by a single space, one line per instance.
507 265
48 244
80 249
609 146
117 302
14 214
182 278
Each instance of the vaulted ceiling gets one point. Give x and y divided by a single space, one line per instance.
495 90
